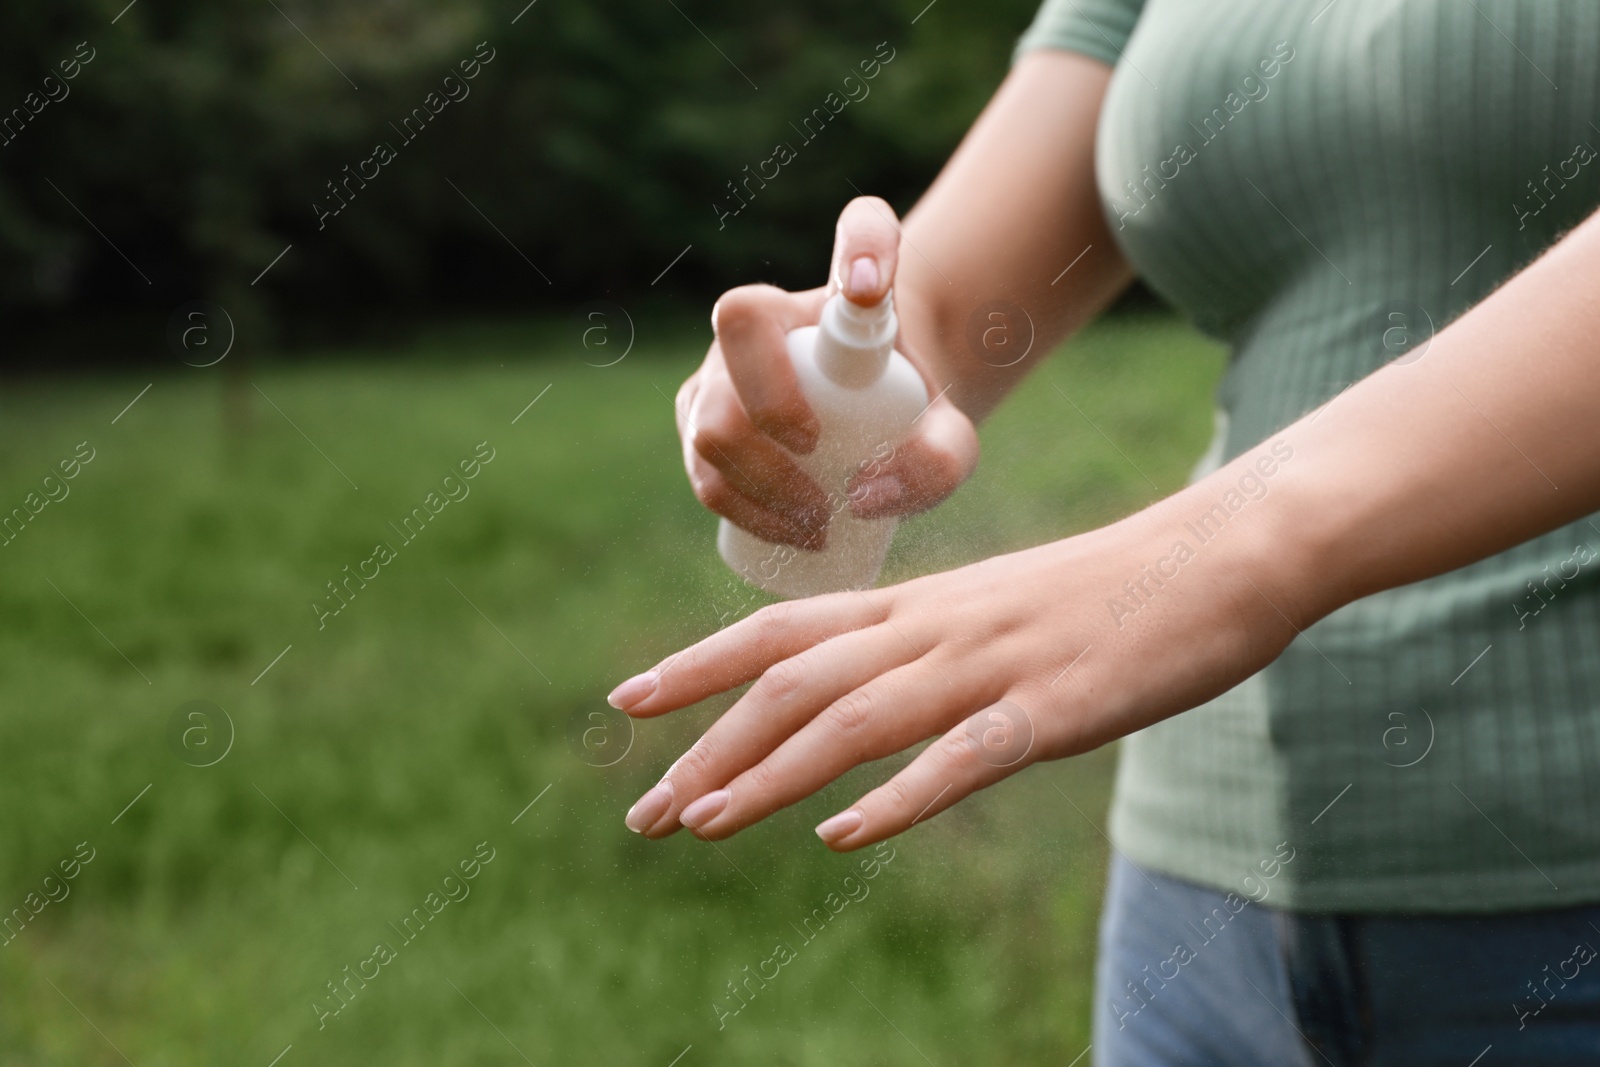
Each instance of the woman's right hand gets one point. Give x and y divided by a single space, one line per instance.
743 418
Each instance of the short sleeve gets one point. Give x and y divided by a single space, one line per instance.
1096 28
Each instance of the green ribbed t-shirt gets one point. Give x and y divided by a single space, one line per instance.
1323 186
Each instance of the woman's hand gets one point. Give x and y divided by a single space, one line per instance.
1016 659
743 419
1013 209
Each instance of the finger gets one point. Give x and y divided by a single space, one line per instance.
947 771
923 470
786 697
885 715
704 478
740 653
712 488
721 433
752 323
683 403
866 250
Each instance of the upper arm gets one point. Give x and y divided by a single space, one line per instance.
1012 209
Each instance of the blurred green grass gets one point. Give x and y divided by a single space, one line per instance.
426 716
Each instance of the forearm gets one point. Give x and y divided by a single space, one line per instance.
1490 438
1014 208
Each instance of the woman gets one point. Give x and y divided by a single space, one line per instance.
1379 601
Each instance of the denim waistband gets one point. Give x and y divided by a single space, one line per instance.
1189 976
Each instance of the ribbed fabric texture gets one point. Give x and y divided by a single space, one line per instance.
1322 186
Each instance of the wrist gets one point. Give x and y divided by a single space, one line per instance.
1244 533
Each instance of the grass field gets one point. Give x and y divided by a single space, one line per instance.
413 728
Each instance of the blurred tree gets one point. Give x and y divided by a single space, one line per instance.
599 141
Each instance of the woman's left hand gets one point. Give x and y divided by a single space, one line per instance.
1016 659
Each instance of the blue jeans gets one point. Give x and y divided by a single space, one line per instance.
1192 977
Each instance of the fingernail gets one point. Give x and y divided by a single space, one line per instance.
633 690
863 279
878 494
705 809
840 826
649 808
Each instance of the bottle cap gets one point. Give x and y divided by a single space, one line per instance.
854 342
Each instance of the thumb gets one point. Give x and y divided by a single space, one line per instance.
866 250
924 469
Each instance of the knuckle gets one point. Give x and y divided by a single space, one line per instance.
709 446
781 680
851 714
773 620
691 662
740 308
720 426
713 491
760 781
951 754
687 390
894 795
693 765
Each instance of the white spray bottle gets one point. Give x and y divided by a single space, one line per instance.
865 396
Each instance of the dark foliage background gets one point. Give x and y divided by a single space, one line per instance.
597 142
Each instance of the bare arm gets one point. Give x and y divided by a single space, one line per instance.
1491 438
1014 207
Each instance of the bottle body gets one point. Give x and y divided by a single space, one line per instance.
861 420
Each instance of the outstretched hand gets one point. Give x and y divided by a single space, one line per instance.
1006 662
